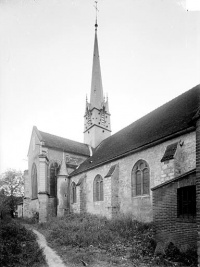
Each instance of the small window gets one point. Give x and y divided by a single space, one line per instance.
53 175
140 178
34 181
186 202
73 193
98 188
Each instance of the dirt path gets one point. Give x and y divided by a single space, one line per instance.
52 259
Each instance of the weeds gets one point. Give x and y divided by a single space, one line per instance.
18 246
116 241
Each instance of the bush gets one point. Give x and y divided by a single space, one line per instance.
18 246
188 258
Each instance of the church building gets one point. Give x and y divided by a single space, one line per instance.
148 170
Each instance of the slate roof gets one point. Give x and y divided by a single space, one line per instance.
67 145
110 172
169 119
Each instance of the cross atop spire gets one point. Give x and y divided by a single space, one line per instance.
96 25
97 116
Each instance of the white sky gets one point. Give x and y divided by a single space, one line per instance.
149 53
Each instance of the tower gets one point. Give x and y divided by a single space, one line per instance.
97 117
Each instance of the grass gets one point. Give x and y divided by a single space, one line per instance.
18 246
99 242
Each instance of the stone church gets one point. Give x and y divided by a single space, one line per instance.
148 170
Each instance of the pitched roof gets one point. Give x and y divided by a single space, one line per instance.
169 119
110 172
96 95
67 145
170 152
63 168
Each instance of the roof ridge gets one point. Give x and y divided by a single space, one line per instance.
171 119
63 138
154 110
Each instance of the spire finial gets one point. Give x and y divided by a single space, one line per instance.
96 25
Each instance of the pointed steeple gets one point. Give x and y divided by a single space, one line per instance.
96 95
97 117
63 169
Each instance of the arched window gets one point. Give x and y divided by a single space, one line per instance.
53 175
140 178
34 181
98 188
73 193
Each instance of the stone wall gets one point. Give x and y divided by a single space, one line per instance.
140 207
43 157
168 226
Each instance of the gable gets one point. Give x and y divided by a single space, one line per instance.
35 139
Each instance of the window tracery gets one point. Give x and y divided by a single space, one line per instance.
98 188
140 178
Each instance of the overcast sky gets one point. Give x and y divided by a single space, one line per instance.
149 54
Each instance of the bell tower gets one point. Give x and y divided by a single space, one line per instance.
97 117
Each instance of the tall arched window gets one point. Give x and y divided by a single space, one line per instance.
73 193
98 188
140 178
53 175
34 181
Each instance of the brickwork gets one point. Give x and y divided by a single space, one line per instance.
168 227
198 186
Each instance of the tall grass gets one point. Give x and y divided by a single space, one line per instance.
116 237
84 230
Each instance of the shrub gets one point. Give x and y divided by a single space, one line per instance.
188 258
18 246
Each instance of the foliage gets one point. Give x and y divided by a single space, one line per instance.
116 237
12 182
11 189
121 238
188 258
18 246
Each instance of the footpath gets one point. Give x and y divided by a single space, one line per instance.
52 259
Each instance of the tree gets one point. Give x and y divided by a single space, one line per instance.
11 189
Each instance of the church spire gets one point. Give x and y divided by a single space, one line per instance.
96 95
97 116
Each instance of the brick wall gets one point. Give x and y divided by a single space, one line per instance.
198 185
168 227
